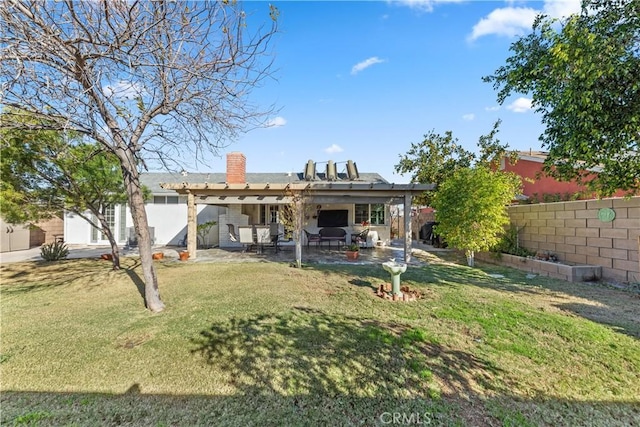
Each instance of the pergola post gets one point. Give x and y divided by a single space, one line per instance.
192 225
299 210
407 226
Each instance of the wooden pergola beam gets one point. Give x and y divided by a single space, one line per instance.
313 187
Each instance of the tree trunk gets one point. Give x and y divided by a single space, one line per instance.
106 230
298 232
470 258
141 225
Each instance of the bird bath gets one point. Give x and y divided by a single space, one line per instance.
395 269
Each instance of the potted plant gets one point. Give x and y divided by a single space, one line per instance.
184 255
352 251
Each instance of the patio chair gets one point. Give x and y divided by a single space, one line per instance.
263 236
360 238
276 230
246 237
312 237
232 233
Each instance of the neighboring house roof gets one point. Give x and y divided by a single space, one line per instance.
541 156
152 180
534 156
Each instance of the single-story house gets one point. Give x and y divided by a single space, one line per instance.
330 198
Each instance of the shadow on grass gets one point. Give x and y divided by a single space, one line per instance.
308 351
18 278
257 409
136 279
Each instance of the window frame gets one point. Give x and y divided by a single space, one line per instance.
376 213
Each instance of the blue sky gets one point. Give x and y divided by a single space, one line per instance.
363 80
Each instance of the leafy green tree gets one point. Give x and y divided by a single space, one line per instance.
584 77
471 208
438 157
433 160
147 80
492 151
44 173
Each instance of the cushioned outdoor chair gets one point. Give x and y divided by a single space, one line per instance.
333 234
312 237
360 238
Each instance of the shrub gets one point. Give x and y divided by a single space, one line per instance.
509 243
471 208
353 247
54 251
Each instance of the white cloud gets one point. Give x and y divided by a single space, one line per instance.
561 8
469 117
276 122
421 5
333 148
516 21
507 21
123 90
493 108
365 64
520 105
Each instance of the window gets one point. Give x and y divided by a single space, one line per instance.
115 220
361 214
165 200
273 213
374 214
269 214
377 214
123 222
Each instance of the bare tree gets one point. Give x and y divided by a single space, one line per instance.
147 80
295 215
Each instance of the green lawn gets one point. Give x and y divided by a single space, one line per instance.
266 344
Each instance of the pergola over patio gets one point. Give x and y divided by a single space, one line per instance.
296 193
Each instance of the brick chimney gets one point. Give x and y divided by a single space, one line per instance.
236 168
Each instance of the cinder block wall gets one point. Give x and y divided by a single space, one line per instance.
573 232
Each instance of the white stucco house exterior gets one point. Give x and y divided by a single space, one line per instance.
235 197
166 212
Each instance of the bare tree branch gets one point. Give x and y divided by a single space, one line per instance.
148 80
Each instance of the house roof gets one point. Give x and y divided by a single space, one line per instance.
535 156
153 180
541 156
